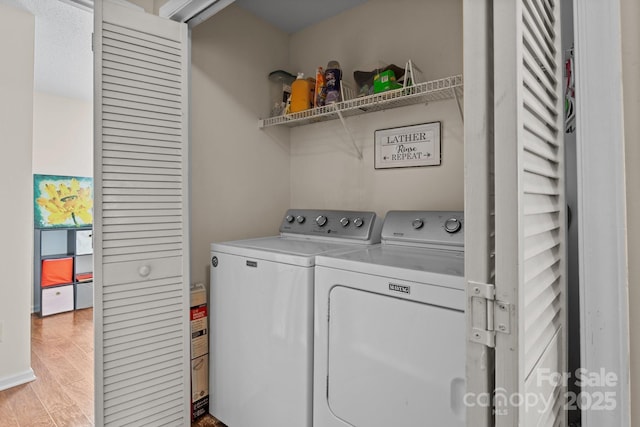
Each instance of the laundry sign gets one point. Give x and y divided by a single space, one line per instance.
408 146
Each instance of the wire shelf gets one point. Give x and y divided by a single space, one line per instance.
434 90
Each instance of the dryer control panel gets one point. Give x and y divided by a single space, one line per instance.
441 229
355 225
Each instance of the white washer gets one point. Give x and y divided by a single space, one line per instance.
261 345
389 347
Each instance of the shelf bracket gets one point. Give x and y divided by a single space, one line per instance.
460 110
346 129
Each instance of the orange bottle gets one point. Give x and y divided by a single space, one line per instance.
300 94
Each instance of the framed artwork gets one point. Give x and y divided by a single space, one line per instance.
408 146
62 201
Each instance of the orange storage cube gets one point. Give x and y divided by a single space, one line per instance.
56 271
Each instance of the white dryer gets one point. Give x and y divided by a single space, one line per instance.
389 347
261 346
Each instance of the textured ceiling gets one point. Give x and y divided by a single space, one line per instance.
63 57
294 15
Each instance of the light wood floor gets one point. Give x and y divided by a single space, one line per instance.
62 359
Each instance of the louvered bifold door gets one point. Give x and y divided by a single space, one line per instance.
530 249
141 240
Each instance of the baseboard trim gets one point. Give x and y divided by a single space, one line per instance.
17 379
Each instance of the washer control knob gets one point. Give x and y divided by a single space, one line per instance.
358 222
417 223
289 218
452 225
344 222
300 219
321 220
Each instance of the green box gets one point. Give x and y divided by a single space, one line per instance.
385 81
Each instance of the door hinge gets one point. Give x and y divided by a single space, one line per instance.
93 46
483 331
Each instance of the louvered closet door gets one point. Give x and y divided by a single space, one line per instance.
141 241
530 249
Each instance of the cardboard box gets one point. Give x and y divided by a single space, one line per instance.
199 352
199 386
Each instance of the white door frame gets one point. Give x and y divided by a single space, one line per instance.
602 205
478 152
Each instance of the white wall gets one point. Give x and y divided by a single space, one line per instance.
239 173
147 5
17 29
631 79
157 4
62 135
324 171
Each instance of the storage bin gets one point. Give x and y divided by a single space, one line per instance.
56 271
57 300
84 242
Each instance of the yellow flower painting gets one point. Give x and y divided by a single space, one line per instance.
62 201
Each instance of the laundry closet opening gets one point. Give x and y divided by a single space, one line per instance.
244 178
